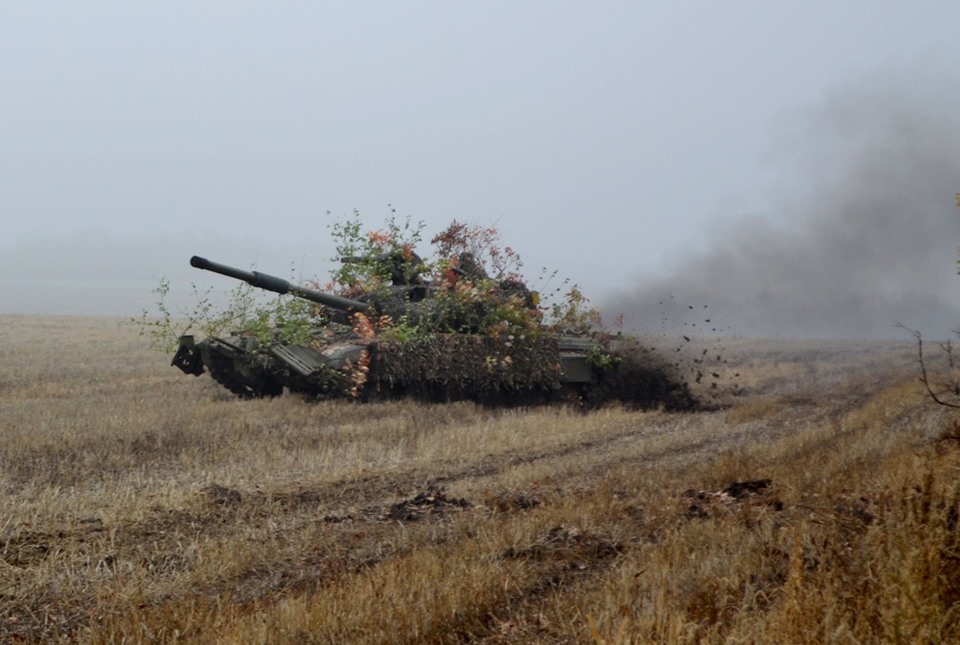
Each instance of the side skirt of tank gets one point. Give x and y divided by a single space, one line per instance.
319 373
573 358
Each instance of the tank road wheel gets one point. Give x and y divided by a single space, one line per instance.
245 390
240 386
232 363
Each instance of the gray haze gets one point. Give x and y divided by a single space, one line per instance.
866 231
620 143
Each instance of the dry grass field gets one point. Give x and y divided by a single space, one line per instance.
815 504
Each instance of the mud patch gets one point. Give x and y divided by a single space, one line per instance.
431 503
222 495
507 502
577 547
27 548
740 490
703 504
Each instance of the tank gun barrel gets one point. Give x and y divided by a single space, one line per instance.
269 282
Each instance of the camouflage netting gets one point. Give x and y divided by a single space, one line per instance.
459 366
445 366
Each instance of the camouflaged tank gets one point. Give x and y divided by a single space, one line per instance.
452 361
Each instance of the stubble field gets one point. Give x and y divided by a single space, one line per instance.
818 501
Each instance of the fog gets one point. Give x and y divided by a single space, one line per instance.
865 231
792 168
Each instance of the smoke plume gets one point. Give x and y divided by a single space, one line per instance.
862 229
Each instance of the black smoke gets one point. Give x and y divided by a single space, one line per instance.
860 231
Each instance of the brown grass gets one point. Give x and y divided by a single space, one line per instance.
139 505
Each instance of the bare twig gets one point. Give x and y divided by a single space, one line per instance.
953 386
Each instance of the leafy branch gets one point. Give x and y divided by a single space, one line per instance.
474 286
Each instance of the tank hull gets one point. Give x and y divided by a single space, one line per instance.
439 367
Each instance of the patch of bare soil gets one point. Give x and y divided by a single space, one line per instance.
702 504
432 503
577 549
509 501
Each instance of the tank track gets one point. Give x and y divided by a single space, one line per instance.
235 384
227 380
220 360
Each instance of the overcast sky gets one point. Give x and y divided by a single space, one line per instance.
626 144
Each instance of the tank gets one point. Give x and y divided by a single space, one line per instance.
346 358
